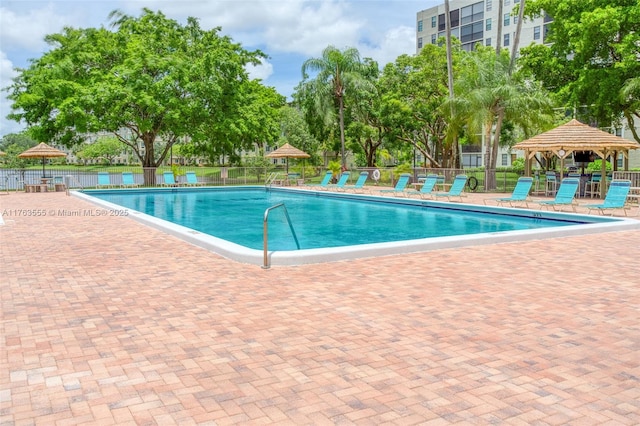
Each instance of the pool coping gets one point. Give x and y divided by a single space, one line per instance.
236 252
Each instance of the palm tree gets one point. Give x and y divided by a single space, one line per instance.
337 71
455 147
489 95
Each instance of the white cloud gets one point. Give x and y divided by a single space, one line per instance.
262 71
6 75
27 30
288 31
395 42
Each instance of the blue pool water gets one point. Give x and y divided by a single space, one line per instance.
320 220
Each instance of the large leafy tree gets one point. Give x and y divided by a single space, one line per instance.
592 53
149 82
106 148
336 72
295 131
413 88
12 145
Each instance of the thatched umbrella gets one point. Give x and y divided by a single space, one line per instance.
2 153
42 150
575 136
287 151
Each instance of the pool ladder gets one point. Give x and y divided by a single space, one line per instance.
265 236
67 183
271 178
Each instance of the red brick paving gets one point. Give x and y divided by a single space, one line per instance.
106 321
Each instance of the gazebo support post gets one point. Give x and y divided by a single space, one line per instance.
603 179
527 163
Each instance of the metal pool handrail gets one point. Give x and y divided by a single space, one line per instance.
265 236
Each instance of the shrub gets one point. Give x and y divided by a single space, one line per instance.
596 166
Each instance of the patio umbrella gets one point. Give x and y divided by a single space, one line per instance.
43 151
287 151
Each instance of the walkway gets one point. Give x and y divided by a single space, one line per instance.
105 321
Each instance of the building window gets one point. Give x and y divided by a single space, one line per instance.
505 159
507 19
434 39
420 26
536 32
419 42
488 24
507 2
471 32
487 42
472 13
515 19
545 33
434 21
489 6
506 40
442 24
516 1
455 18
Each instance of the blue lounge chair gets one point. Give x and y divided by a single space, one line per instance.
615 199
128 180
192 179
344 178
520 193
456 188
359 185
565 196
399 189
325 181
169 180
428 185
104 179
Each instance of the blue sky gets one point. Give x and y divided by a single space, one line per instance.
289 31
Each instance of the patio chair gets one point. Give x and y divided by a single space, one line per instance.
592 186
58 184
520 193
399 189
456 189
104 180
428 185
566 195
325 181
128 181
551 183
169 180
344 178
192 179
615 199
359 185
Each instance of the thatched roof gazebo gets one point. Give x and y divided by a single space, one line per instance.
287 151
42 150
575 136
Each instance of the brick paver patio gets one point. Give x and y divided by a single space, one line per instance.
106 321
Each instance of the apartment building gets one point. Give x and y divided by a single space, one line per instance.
475 22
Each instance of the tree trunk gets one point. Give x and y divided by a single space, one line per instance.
455 149
516 41
499 35
489 175
342 145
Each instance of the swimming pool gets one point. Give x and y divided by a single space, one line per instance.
329 226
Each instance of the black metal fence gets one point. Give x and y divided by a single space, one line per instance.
16 179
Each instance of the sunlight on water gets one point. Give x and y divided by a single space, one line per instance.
236 215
